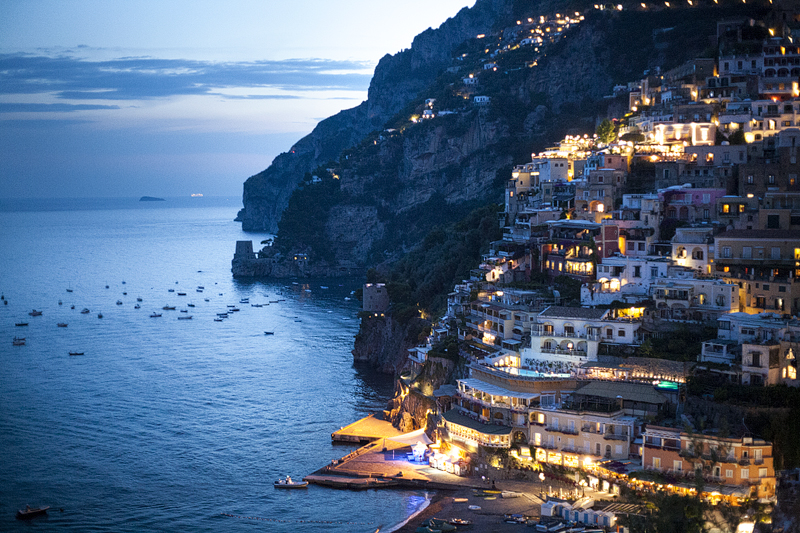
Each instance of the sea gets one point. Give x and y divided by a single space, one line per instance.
166 424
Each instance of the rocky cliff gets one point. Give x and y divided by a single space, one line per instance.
398 79
383 342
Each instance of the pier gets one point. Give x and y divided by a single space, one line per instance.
366 430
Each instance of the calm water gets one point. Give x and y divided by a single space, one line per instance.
165 424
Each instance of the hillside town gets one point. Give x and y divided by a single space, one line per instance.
679 219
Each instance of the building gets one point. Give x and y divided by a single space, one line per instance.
376 298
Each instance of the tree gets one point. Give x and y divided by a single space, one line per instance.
605 131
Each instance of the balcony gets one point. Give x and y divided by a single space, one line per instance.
542 331
565 431
615 436
744 462
559 351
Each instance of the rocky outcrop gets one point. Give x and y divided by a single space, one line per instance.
398 79
383 342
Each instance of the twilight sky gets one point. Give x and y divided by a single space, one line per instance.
170 98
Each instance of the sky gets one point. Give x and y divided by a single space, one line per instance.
179 97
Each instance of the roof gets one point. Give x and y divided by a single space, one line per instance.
780 234
454 417
637 392
445 390
496 390
558 311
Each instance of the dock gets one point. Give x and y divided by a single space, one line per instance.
366 430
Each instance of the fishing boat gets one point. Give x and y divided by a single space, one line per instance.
19 341
21 324
155 315
35 313
76 353
62 324
30 512
287 483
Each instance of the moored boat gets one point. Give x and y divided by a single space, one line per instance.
62 324
35 313
85 311
76 353
21 324
19 341
30 512
287 483
185 317
155 315
168 308
269 333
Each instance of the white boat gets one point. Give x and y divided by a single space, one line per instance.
287 483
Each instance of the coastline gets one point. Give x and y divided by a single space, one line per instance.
401 526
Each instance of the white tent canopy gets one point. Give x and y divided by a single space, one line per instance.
413 438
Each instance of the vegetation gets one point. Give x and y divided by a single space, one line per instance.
422 279
681 345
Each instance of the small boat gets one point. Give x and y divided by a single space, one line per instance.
287 483
199 290
185 317
190 305
62 324
200 287
119 302
440 524
106 286
76 353
69 290
60 303
459 522
30 512
155 315
234 309
18 341
137 306
138 299
274 301
85 311
35 313
123 282
244 301
256 305
218 319
231 306
474 507
222 315
124 293
181 294
206 300
184 310
171 290
21 324
168 308
99 315
269 333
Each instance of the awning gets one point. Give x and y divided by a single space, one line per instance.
413 438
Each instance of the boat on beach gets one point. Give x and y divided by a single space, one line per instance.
30 512
287 483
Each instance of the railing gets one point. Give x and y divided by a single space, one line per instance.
565 431
615 436
744 462
542 332
559 351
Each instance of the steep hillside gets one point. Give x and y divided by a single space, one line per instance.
398 79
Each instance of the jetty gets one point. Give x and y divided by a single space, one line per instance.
366 430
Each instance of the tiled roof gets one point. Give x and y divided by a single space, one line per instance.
637 392
557 311
455 417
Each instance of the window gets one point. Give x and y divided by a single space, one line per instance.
773 221
621 333
747 252
657 463
741 208
771 179
706 214
618 450
749 179
677 466
726 208
706 198
762 472
745 473
653 271
775 253
729 473
609 333
637 271
726 252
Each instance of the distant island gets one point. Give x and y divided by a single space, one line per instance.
151 199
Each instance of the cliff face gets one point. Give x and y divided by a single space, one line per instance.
397 80
384 343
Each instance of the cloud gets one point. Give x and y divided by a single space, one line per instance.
51 108
139 78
